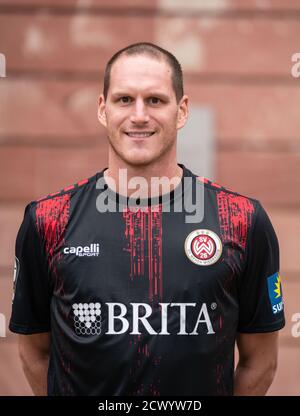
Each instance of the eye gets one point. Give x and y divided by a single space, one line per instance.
125 100
154 100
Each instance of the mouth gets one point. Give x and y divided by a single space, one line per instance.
139 134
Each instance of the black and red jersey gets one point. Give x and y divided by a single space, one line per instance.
145 301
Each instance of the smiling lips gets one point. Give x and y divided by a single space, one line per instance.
139 134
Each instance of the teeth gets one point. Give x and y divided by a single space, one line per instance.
140 134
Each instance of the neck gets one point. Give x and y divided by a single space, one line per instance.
130 179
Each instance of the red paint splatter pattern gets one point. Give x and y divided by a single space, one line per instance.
143 233
235 216
52 216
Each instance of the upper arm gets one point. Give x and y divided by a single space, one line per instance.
32 297
260 348
260 293
35 345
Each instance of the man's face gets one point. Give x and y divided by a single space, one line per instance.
141 113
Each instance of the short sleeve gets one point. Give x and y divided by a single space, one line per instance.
261 306
31 301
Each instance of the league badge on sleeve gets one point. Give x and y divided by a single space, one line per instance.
16 273
275 293
203 247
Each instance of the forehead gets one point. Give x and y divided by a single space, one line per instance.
140 72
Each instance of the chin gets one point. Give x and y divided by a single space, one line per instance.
139 160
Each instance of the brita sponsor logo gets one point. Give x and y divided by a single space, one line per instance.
137 318
81 251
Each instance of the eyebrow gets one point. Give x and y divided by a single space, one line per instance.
158 94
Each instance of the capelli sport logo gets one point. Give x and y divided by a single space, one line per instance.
93 250
275 293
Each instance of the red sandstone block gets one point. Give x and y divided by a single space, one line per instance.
287 226
203 44
17 166
48 112
77 5
6 291
215 45
271 177
167 4
264 5
286 382
12 379
11 216
59 169
291 294
77 42
227 6
253 112
33 172
64 112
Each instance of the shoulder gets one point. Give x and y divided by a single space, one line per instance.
238 215
56 206
223 196
68 191
231 201
224 192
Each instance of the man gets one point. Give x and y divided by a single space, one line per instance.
136 299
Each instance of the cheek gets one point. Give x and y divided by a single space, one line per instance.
169 118
169 123
114 115
113 123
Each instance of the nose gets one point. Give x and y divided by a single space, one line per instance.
139 112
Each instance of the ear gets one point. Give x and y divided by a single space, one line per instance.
101 111
183 112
